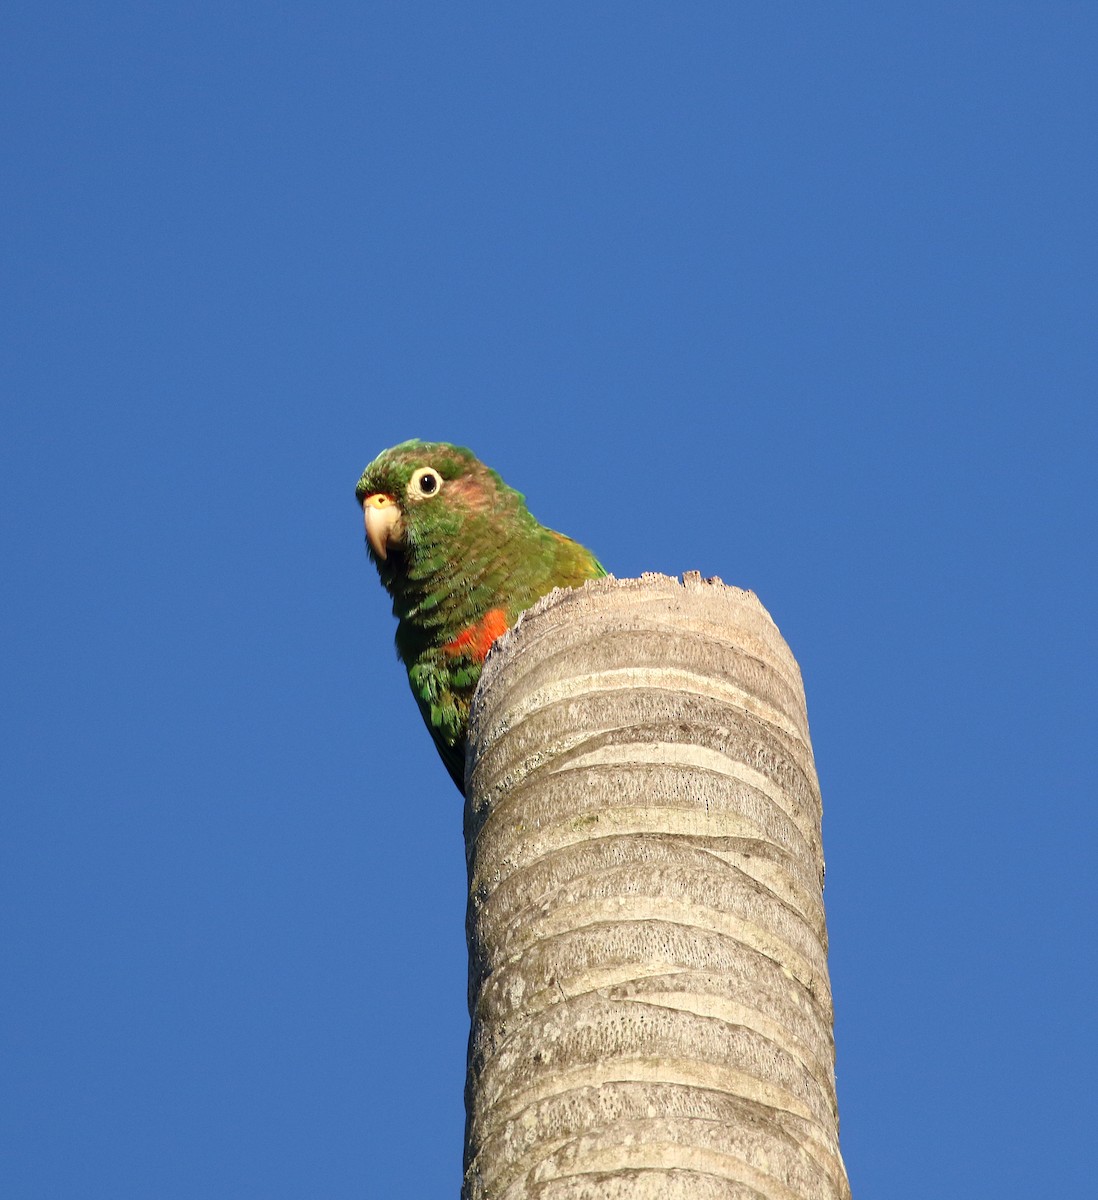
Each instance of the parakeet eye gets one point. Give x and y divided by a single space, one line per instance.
425 482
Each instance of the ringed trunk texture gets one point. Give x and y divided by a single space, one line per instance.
651 1010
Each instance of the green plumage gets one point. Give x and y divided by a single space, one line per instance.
462 557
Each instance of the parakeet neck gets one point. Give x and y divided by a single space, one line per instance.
450 578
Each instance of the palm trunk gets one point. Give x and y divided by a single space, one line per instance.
651 1010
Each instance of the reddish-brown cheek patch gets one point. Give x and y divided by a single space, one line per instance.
469 493
477 640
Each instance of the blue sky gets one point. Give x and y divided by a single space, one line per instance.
803 297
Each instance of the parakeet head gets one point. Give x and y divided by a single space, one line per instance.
422 500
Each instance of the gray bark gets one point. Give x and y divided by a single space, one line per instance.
651 1010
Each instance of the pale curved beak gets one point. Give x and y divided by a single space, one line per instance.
384 528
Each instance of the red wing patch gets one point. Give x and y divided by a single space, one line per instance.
477 640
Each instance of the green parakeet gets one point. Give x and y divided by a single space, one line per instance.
462 557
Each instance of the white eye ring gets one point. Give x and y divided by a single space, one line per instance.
425 483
